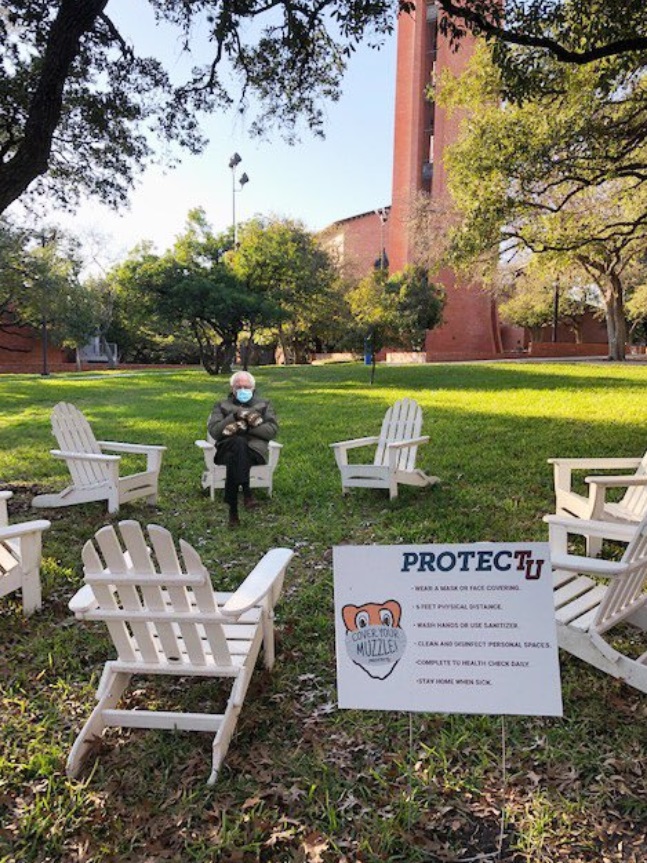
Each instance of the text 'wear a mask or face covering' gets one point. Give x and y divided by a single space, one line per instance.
244 395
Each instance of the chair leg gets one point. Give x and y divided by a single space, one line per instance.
593 546
268 640
31 592
113 686
30 553
230 718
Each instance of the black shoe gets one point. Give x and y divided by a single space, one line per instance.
250 502
234 521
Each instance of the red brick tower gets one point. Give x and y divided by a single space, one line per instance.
422 131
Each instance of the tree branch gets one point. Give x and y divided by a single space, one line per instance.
31 158
488 25
116 35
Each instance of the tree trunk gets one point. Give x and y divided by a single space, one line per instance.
615 315
209 359
207 350
75 18
575 326
112 358
227 351
610 284
284 347
249 355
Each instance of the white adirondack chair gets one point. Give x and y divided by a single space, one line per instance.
95 476
594 506
396 448
260 476
20 554
587 610
165 619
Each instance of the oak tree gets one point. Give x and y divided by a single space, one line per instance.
191 287
527 35
526 179
280 261
396 310
81 108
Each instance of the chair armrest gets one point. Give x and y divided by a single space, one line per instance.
5 495
83 601
205 445
617 481
400 444
259 582
274 444
84 456
14 531
360 441
596 463
590 565
585 527
136 448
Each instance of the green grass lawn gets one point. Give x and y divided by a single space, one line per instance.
303 781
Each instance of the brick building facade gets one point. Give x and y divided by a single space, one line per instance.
423 130
358 242
471 327
21 352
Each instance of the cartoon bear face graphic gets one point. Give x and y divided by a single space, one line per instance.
374 639
372 614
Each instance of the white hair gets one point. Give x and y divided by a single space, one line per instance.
232 379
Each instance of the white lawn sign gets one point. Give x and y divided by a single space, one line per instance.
447 628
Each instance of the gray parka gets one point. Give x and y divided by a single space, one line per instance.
258 438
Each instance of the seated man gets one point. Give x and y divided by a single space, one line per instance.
241 425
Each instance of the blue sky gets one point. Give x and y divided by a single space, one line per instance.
316 181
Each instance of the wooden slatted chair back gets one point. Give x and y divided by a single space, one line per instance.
74 434
402 421
626 592
158 611
635 498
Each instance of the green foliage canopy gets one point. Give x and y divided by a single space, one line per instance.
40 287
397 310
538 296
190 287
529 179
281 261
531 39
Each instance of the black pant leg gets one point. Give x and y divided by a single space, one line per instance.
238 458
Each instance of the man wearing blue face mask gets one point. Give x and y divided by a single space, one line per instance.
242 426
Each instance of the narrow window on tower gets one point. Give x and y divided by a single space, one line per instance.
431 41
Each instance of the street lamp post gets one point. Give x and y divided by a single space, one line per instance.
233 164
44 240
383 216
369 341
